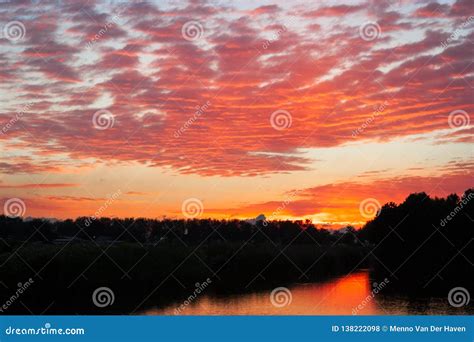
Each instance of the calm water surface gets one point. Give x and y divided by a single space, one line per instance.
338 296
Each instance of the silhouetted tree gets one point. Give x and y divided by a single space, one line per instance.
427 243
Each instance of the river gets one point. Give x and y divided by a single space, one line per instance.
345 295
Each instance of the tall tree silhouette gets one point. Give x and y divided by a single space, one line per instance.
426 243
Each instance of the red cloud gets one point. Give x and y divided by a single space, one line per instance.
155 81
334 11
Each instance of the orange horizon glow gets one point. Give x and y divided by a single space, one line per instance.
296 111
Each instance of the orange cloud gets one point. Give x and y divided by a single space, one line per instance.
240 94
37 186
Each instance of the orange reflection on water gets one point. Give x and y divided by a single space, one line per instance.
339 296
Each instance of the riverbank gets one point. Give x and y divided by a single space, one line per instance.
65 276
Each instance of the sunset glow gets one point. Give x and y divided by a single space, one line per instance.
295 111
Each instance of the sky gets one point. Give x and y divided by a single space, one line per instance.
218 109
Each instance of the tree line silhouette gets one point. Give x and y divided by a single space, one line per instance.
423 244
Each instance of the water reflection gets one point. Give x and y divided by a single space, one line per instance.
339 296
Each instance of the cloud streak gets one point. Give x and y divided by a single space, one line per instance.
312 62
